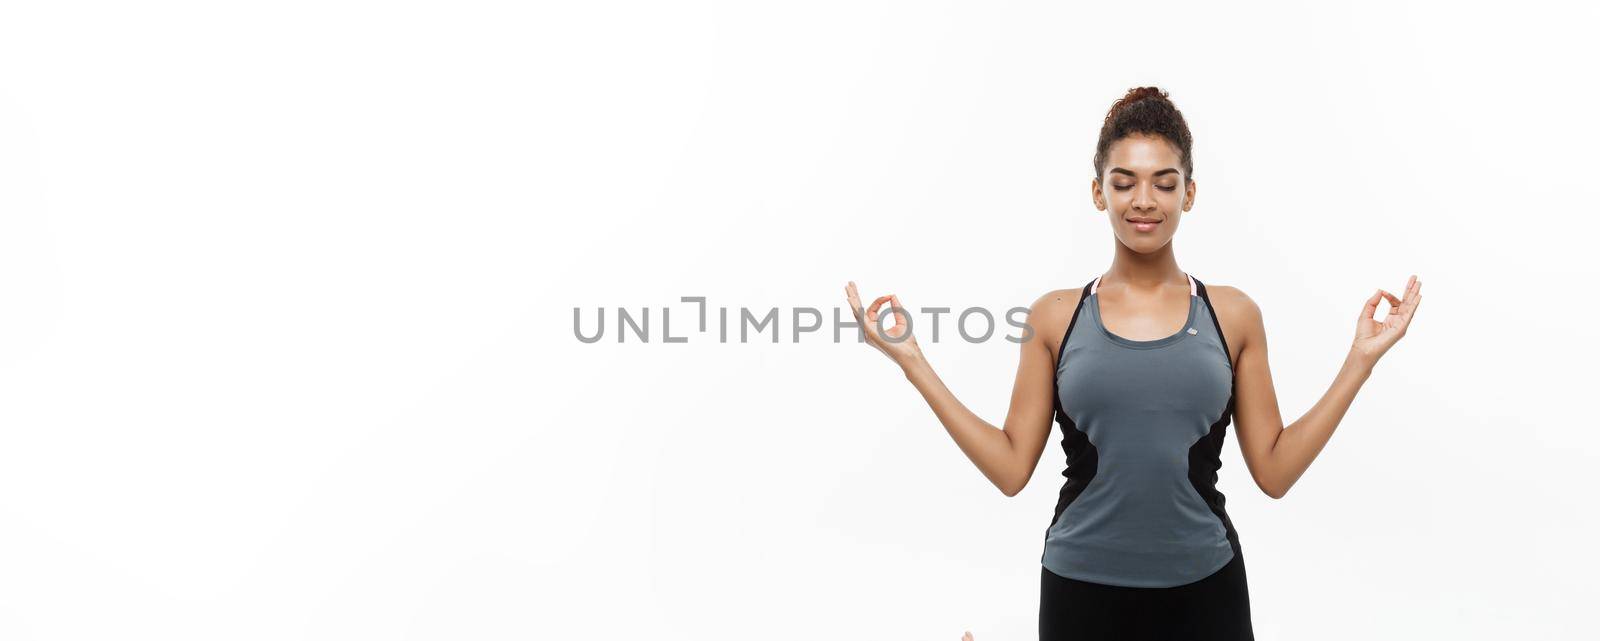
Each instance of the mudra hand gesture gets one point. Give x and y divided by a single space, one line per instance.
896 342
1374 337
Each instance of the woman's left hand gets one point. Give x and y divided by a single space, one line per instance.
1375 337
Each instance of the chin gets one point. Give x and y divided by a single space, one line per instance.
1145 245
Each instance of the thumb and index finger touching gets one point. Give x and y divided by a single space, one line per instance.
855 304
870 316
1371 309
1396 305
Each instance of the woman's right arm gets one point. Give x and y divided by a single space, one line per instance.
1006 456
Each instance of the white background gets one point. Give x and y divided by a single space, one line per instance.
287 292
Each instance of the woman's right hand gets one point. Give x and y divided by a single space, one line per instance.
896 342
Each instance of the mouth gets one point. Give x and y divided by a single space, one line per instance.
1144 224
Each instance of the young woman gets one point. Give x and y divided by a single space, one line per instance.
1144 367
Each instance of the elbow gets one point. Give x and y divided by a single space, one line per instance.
1012 489
1274 490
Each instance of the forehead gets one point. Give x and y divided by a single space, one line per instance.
1143 153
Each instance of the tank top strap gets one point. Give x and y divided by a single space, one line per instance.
1211 311
1082 296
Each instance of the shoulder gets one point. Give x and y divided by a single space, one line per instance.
1054 303
1050 313
1233 299
1236 311
1057 298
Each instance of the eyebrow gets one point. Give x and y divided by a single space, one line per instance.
1169 170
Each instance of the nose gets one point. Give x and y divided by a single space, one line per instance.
1143 200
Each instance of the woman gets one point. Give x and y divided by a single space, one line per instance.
1144 368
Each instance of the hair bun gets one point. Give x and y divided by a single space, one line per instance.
1140 93
1145 110
1134 95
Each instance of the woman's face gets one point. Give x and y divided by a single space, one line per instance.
1143 182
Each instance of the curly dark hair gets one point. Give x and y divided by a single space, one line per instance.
1144 110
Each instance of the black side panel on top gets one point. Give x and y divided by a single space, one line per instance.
1205 457
1082 457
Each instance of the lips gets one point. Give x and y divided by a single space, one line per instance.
1144 224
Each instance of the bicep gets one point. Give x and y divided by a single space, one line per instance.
1027 422
1256 417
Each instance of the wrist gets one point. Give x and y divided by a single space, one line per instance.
1360 362
914 365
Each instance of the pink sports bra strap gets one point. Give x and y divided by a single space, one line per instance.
1193 291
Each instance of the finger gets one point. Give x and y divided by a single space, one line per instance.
1411 286
1394 303
1413 311
870 330
1371 309
899 311
1412 296
855 300
872 312
1407 312
1392 312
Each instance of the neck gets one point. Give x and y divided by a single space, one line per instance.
1151 272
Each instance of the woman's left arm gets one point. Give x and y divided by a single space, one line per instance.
1276 455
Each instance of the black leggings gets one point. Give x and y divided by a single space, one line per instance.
1216 607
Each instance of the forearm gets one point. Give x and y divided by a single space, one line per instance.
1299 443
988 447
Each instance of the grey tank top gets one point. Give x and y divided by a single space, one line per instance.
1142 425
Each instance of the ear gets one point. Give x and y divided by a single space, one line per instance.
1097 195
1188 194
